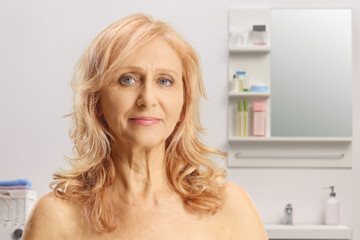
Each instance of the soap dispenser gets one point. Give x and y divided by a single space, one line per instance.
332 209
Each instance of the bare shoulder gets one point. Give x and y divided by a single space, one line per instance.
51 218
232 191
240 214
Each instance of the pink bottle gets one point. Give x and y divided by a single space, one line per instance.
259 119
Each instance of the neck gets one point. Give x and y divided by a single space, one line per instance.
140 172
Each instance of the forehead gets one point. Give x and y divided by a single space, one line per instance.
157 54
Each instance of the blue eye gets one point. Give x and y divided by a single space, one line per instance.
127 80
166 82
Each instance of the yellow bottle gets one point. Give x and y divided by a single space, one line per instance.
239 116
245 117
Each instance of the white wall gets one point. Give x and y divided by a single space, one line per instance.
41 40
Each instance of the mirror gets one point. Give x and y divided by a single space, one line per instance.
311 73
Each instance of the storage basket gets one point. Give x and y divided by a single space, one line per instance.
15 206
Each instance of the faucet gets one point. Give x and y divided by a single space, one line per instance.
288 214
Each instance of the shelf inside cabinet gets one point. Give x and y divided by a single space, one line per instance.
249 94
250 49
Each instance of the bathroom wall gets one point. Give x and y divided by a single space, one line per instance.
40 41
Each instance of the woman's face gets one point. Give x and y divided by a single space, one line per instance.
143 106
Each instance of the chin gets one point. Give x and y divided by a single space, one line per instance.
147 141
149 145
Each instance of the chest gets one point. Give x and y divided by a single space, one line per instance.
165 225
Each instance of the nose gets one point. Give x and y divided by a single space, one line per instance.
147 95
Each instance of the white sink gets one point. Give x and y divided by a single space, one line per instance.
308 232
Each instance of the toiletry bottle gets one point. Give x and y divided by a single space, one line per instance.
246 84
241 78
258 35
259 119
234 84
240 117
288 214
332 209
245 125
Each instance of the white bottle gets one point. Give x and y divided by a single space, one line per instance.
241 77
234 84
332 209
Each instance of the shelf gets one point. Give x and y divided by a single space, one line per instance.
290 139
250 49
249 94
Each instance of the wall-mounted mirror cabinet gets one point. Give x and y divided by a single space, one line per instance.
299 63
311 94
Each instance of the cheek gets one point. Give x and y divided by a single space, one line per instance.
114 107
175 107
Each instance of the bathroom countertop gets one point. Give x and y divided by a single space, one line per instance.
308 231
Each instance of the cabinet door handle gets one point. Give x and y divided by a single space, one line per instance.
290 155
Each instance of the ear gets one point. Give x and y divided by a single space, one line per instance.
98 112
101 118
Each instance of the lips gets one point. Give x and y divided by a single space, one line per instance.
145 121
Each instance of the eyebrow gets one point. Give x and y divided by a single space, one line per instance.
135 68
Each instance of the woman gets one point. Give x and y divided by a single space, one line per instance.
139 170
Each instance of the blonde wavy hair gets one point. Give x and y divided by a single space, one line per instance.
189 169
